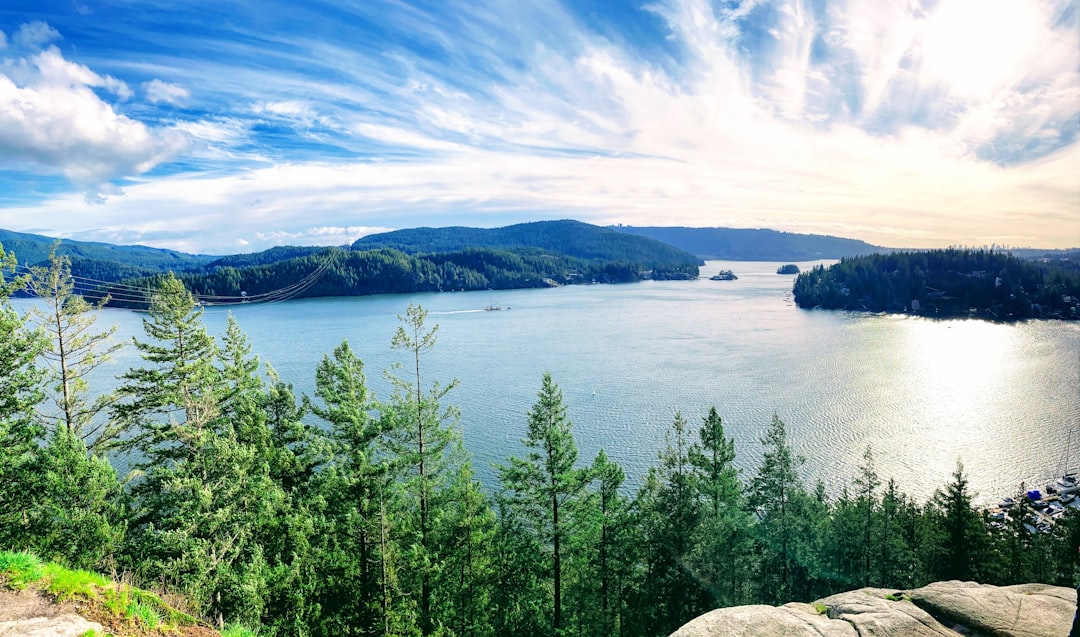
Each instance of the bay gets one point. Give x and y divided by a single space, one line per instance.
1004 399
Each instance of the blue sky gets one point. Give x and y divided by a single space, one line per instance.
232 126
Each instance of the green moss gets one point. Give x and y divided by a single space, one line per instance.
820 608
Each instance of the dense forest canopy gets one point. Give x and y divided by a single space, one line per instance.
952 282
566 237
346 513
343 272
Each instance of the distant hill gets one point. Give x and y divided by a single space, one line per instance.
739 244
102 261
566 237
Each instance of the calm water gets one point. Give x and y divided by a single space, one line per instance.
1001 398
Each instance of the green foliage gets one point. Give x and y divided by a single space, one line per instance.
74 351
116 260
545 486
570 238
944 283
21 568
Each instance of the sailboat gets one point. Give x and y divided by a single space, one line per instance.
1067 483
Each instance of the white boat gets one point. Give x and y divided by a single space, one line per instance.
1065 484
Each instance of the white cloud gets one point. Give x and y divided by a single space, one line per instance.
598 132
51 117
35 34
158 91
3 40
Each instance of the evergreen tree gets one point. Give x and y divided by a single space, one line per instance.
464 529
171 403
721 552
964 535
866 482
546 485
204 492
424 431
358 562
671 514
76 516
786 516
603 566
74 352
21 390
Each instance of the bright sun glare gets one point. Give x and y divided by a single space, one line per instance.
974 46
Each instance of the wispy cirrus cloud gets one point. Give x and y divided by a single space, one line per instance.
900 122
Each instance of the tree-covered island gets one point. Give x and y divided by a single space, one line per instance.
946 283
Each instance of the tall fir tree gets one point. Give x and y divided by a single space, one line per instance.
784 530
360 592
75 350
546 484
964 536
671 513
721 551
203 491
424 431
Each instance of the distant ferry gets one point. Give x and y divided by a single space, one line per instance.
724 275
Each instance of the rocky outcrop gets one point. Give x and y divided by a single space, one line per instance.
28 614
942 609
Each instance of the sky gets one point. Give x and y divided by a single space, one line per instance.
236 125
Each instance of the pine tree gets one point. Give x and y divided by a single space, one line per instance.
964 536
603 562
546 484
172 403
356 558
425 431
866 482
721 547
203 492
74 352
785 520
464 529
672 513
21 390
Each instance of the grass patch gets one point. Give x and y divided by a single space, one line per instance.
896 597
820 608
238 631
145 615
21 568
133 611
67 584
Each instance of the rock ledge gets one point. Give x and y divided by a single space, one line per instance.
942 609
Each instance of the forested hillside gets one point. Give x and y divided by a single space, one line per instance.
341 272
102 261
945 283
570 238
346 513
739 244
